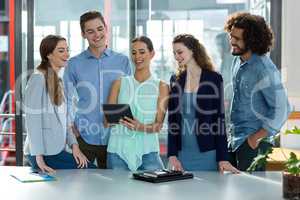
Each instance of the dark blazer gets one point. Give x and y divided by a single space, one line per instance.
210 133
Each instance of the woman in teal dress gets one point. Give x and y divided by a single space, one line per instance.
133 143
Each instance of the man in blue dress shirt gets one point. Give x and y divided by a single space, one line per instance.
89 77
260 105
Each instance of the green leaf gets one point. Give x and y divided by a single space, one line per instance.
295 130
293 164
260 160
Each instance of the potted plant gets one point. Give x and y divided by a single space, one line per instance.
290 175
291 178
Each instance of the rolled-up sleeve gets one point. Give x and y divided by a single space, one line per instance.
276 98
128 68
71 139
70 92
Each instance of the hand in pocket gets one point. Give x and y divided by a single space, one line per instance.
252 142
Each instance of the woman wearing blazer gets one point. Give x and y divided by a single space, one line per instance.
196 127
45 113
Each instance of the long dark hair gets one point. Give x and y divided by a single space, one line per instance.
53 86
199 52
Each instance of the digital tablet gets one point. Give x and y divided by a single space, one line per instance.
114 112
161 176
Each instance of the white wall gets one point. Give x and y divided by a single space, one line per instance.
291 64
291 50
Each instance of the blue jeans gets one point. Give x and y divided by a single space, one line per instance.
63 160
150 161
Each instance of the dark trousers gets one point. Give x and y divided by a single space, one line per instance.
92 152
63 160
244 155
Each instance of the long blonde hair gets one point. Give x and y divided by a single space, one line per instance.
53 82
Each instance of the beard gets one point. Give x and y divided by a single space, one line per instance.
240 51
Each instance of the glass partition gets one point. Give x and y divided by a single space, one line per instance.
163 21
62 17
159 20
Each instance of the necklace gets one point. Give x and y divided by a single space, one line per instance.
192 83
194 73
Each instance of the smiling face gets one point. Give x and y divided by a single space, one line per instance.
182 54
96 33
141 55
238 47
59 56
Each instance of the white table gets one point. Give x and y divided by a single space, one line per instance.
108 184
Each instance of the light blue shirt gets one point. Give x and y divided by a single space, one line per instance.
259 100
90 78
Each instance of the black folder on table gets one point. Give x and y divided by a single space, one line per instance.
160 176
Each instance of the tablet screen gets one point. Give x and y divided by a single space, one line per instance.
114 112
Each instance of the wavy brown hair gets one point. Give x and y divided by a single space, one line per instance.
258 35
199 52
53 82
